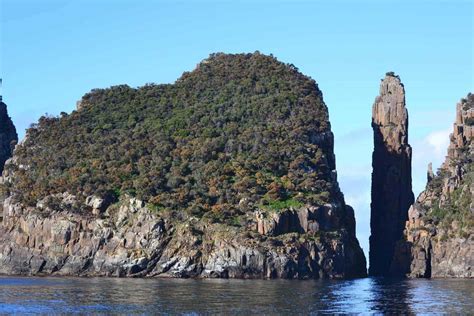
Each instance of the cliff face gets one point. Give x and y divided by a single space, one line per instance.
8 136
229 172
391 177
438 238
132 240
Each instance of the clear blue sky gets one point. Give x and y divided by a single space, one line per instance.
52 52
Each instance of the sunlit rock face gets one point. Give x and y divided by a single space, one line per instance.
391 177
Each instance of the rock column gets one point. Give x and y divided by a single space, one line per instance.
392 193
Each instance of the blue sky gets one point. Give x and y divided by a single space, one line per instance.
52 52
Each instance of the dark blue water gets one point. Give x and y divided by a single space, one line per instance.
170 296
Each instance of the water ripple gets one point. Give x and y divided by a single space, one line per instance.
269 297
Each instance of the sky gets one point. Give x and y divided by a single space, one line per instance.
54 51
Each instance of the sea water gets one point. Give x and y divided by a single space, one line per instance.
194 297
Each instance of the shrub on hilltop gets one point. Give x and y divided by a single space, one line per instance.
239 130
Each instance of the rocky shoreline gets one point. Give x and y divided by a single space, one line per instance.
131 241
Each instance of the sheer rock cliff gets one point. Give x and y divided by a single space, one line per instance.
391 176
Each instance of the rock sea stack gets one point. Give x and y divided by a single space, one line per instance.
391 176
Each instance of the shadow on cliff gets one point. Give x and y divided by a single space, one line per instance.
392 196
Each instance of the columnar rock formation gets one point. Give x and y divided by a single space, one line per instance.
438 240
391 177
8 136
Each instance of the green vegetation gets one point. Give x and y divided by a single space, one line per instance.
469 121
392 74
457 206
238 127
452 211
277 205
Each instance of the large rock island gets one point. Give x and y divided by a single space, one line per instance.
438 238
229 172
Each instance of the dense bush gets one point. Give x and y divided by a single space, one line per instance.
238 127
455 205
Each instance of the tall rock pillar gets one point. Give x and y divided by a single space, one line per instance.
392 193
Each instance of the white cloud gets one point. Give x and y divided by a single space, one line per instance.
431 148
439 141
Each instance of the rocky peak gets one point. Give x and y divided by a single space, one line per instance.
390 115
8 136
391 177
463 132
430 174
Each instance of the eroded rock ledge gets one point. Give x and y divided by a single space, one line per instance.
130 239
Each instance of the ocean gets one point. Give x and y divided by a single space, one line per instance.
47 295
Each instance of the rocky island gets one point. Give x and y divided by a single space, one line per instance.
229 172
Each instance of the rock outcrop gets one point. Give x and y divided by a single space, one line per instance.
228 173
8 135
438 238
131 240
391 177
